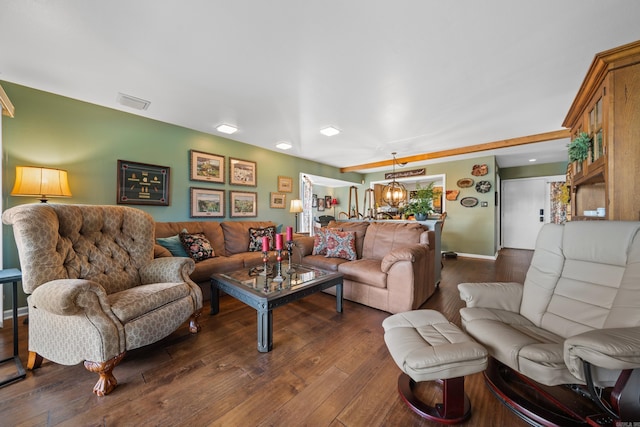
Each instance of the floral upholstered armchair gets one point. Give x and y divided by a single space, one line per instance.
94 289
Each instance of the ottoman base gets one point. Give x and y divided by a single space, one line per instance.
455 407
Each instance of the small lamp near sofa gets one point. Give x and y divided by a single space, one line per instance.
41 182
296 208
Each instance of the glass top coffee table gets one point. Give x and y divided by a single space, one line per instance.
250 286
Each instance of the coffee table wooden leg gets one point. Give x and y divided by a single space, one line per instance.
265 330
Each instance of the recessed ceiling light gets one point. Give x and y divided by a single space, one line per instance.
228 129
283 145
329 131
532 160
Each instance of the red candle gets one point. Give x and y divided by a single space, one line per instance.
265 244
278 242
289 234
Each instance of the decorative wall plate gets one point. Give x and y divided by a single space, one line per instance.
452 194
464 183
483 187
479 170
469 202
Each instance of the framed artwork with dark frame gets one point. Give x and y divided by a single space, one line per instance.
285 184
206 167
243 172
142 184
314 201
243 204
206 203
320 204
277 200
327 202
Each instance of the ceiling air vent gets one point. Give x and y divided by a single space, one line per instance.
133 102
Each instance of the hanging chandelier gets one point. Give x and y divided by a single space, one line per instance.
394 193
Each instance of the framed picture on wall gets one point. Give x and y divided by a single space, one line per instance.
314 201
243 172
277 200
142 184
285 184
320 204
243 203
327 202
207 203
206 167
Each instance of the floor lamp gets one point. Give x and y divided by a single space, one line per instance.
296 208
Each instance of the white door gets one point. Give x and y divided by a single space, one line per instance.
524 211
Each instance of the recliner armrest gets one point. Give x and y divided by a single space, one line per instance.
167 270
614 348
499 295
61 296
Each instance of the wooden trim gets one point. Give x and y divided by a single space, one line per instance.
505 143
7 107
602 63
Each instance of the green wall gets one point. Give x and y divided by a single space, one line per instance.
87 140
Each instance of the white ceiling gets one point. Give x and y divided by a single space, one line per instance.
405 76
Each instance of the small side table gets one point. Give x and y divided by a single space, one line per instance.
13 275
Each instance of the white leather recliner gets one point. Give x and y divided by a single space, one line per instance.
576 319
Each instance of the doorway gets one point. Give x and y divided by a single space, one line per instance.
526 206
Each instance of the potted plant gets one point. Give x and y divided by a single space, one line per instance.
579 149
422 204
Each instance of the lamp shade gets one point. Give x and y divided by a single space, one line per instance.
41 182
296 206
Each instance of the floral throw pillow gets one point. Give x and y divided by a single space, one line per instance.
320 241
197 246
341 244
256 235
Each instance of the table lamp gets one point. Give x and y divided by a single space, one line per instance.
296 207
41 182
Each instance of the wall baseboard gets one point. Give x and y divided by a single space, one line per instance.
22 311
493 258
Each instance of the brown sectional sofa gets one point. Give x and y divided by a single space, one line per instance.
394 266
394 269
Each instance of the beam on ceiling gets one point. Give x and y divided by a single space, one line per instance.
5 104
505 143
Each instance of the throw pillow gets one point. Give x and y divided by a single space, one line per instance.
173 245
256 235
320 241
197 246
341 244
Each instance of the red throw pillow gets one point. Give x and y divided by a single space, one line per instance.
341 244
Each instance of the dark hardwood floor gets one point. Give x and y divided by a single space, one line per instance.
326 369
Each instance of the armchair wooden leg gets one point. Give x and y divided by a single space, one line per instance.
194 326
34 361
107 382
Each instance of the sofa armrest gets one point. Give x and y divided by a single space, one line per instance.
167 270
614 348
160 251
500 295
407 253
62 297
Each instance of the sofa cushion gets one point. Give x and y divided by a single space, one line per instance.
197 246
211 229
341 244
360 228
173 244
139 300
367 271
382 238
236 235
321 261
256 235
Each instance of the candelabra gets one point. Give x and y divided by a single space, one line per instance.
290 245
279 277
265 270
